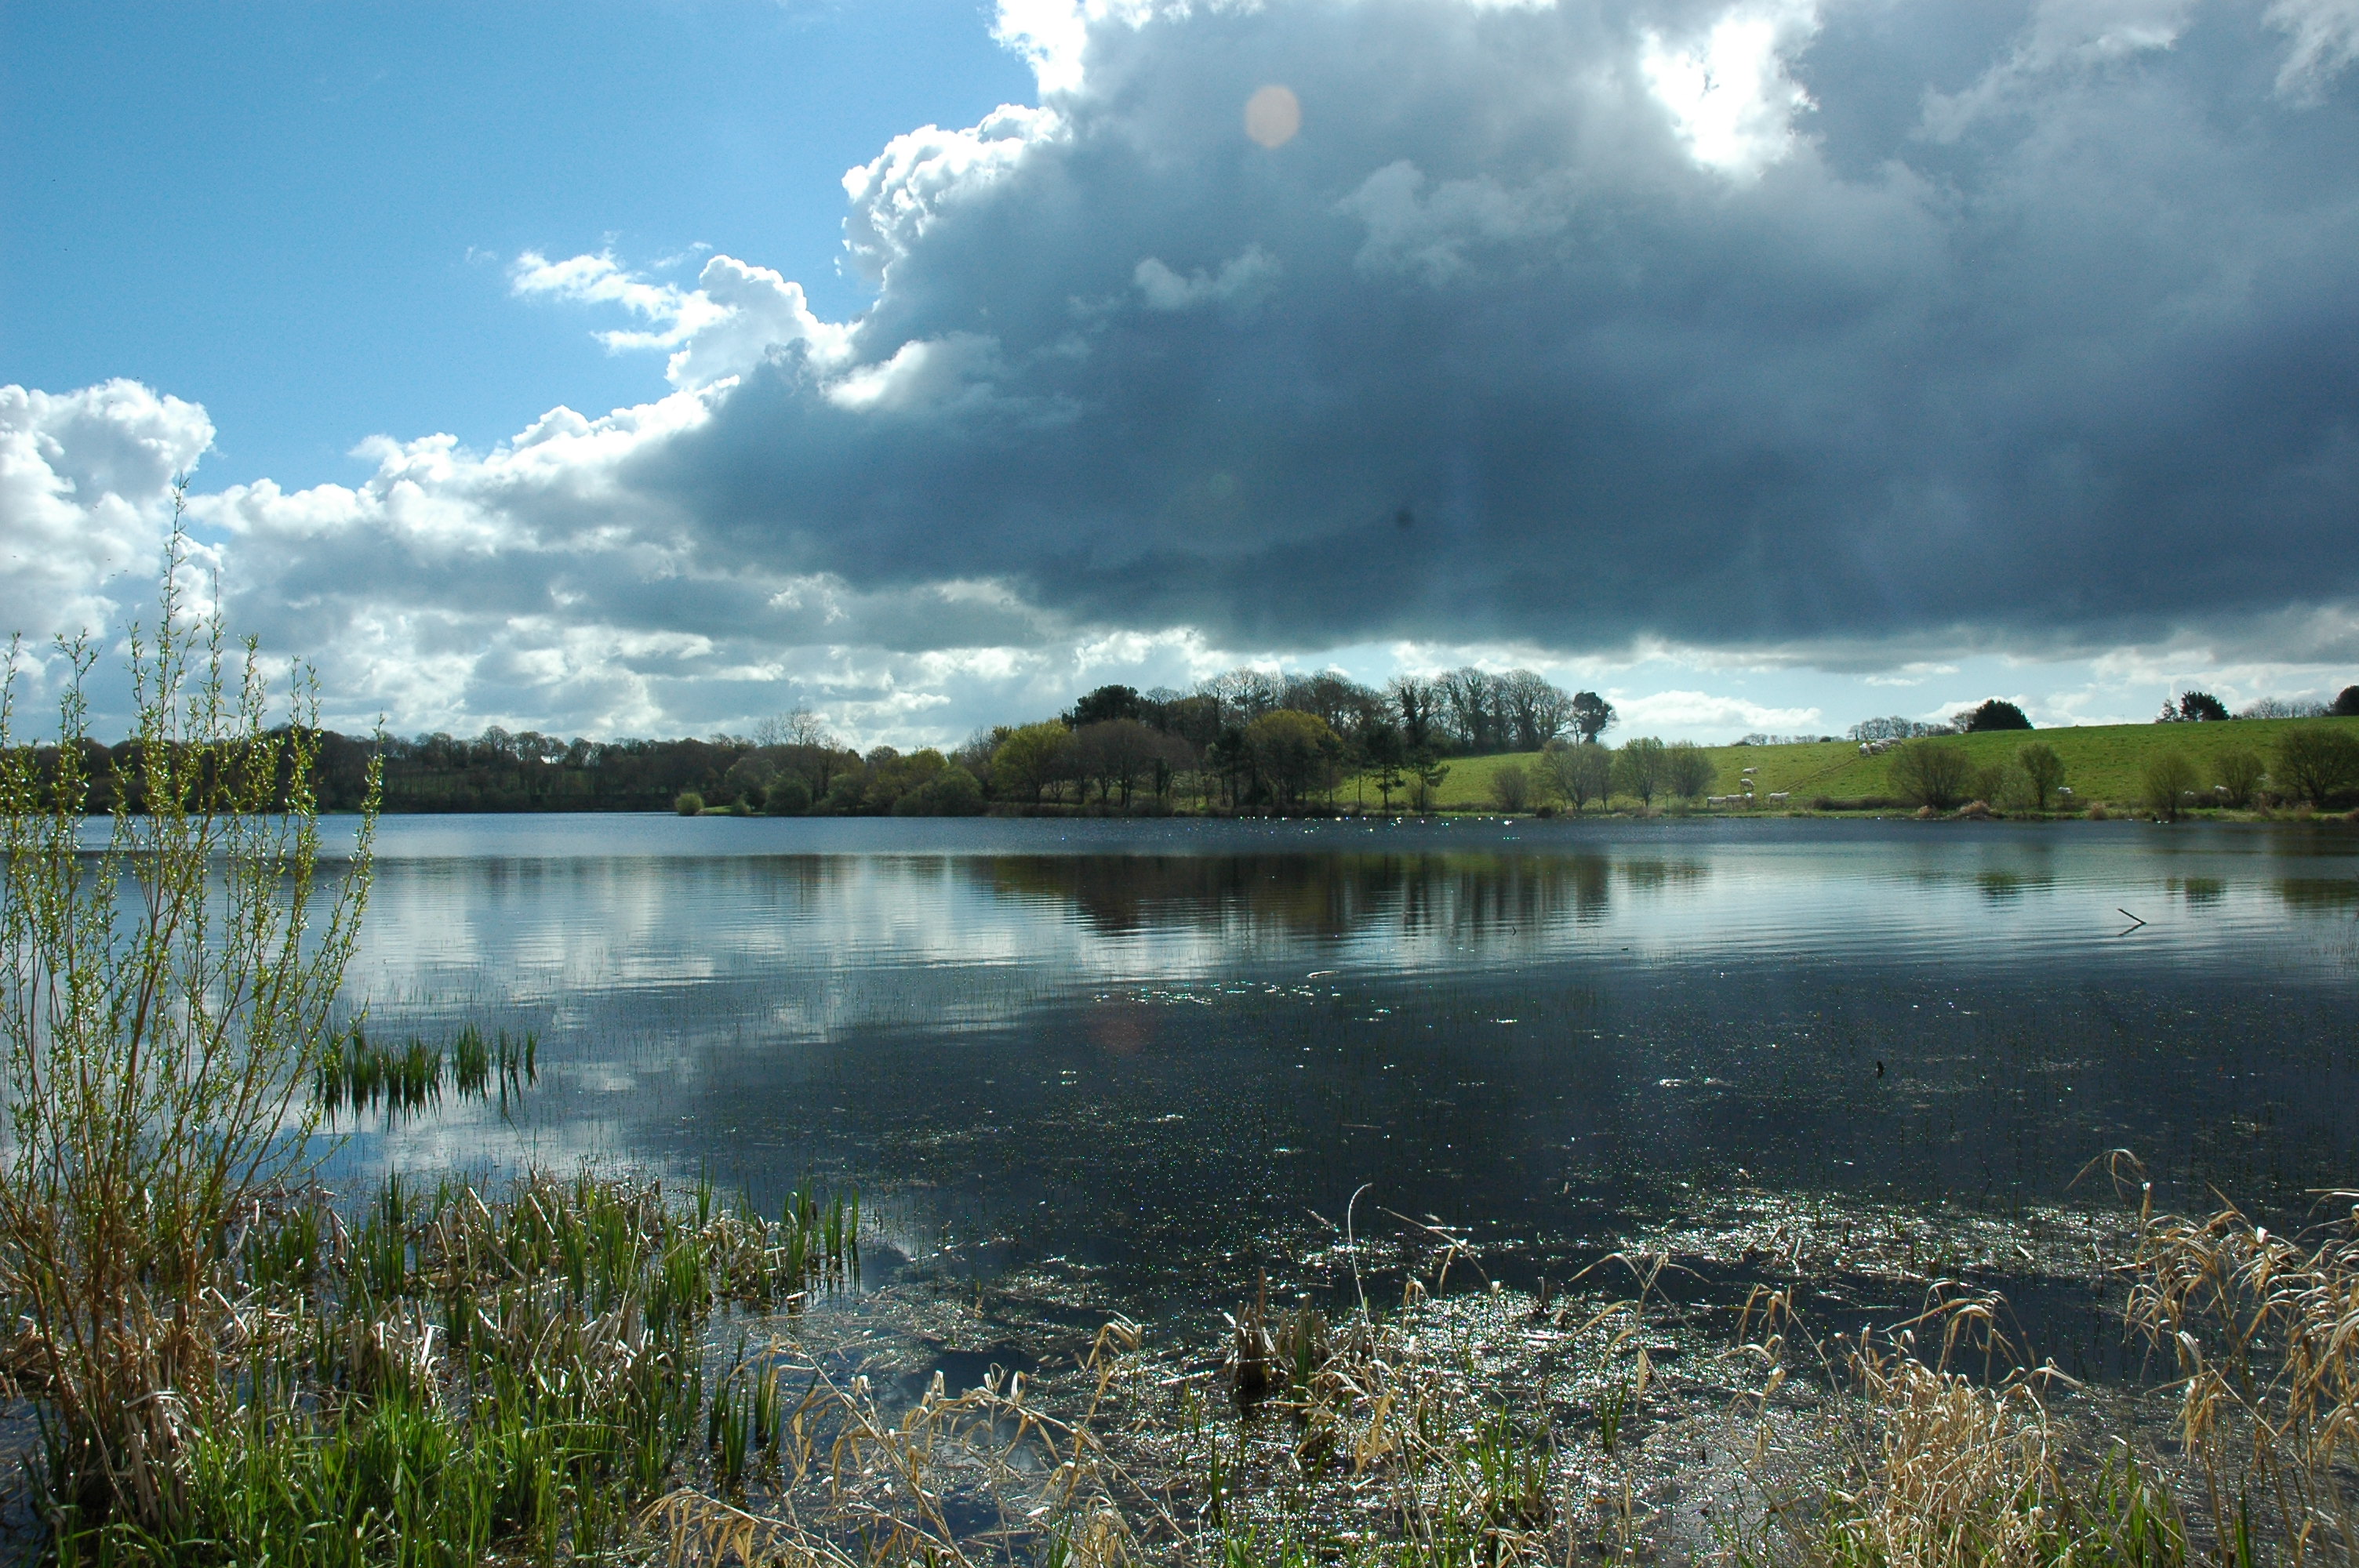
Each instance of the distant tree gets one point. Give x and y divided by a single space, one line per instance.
2192 708
1475 707
2168 779
1293 753
786 797
1996 714
1537 712
2281 708
1380 751
1641 768
1688 771
1580 771
2239 774
799 728
1104 705
1030 759
2044 769
1593 716
1511 788
2317 760
689 804
2345 704
1414 705
1929 772
1425 773
950 791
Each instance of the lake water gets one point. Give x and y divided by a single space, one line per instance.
1149 1053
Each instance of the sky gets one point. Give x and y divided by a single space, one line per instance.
650 368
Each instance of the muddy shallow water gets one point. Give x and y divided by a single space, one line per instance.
1148 1058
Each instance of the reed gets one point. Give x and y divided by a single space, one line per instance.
2263 1331
442 1376
355 1074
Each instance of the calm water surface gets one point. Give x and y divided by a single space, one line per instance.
1143 1049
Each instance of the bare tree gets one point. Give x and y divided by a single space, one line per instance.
1416 703
1536 711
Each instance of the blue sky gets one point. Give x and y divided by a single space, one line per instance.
1766 364
300 214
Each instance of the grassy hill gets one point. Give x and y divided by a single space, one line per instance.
2101 762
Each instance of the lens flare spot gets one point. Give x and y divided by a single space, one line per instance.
1273 115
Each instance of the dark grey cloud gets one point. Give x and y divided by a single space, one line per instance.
2036 327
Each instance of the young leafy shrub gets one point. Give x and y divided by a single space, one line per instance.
2168 779
1931 773
2239 774
2316 760
1642 769
690 803
2043 770
1580 771
164 1005
788 797
1689 768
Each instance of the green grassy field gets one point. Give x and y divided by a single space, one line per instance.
2101 762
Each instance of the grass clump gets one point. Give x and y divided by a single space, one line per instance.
355 1073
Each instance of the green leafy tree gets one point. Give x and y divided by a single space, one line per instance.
1030 759
2345 704
1996 714
1929 772
1642 768
2044 769
688 803
1593 716
1293 753
788 797
163 1006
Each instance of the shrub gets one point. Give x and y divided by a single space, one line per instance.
1511 788
2168 779
2044 769
2317 760
2345 704
163 1004
2239 774
1997 714
1929 773
1689 770
1581 770
788 797
952 792
689 804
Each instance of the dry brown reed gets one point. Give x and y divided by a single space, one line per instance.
2262 1329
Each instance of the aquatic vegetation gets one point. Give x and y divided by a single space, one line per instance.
443 1374
354 1073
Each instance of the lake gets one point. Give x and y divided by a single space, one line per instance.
1148 1054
